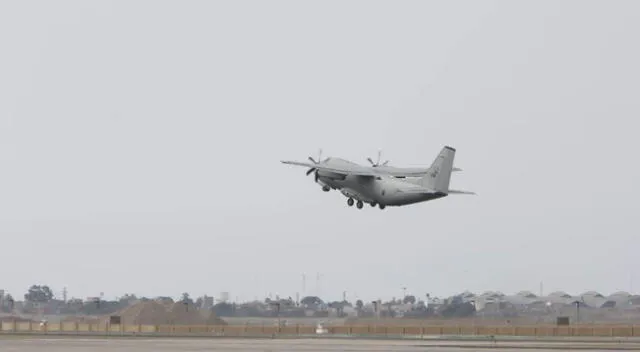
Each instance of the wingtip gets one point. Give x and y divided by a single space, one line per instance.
452 191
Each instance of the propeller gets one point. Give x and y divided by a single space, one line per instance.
377 163
315 162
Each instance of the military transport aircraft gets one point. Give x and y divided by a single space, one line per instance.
382 185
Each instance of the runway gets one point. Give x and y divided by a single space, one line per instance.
30 344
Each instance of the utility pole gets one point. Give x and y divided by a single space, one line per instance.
541 289
277 307
304 284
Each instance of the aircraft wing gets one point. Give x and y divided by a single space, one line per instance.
400 172
420 190
407 171
358 170
415 189
345 170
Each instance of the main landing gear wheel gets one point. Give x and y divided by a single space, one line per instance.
381 206
350 201
359 204
373 204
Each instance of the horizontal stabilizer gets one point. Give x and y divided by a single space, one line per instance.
456 169
453 191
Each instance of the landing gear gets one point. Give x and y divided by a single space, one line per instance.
381 206
360 204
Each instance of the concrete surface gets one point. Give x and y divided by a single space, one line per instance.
29 344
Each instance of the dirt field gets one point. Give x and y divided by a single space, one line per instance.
295 345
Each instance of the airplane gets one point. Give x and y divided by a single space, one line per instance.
384 186
380 168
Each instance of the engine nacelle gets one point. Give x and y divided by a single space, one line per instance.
331 175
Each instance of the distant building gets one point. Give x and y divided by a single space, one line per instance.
207 302
91 299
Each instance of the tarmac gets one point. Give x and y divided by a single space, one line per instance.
139 344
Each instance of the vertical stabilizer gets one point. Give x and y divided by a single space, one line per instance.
440 171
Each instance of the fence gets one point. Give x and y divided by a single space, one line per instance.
301 330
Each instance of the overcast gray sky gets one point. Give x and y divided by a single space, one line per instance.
140 144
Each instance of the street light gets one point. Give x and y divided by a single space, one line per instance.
577 303
277 305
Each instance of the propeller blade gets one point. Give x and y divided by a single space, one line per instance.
310 171
315 177
385 163
313 161
377 163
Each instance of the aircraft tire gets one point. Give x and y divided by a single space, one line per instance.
373 204
359 204
381 206
350 201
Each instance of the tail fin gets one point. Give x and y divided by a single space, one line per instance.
439 174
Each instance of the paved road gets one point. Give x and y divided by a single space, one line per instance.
23 344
